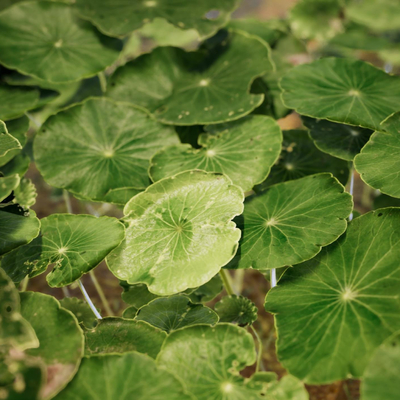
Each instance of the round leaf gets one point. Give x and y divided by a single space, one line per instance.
123 377
16 101
118 335
60 338
179 232
81 310
333 311
338 140
342 90
172 313
291 221
98 146
236 309
62 47
244 151
75 244
378 162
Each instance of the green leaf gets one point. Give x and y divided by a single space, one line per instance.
300 158
179 232
136 295
60 338
208 360
316 19
18 165
379 160
291 221
16 101
112 150
172 313
75 244
81 310
244 151
123 377
111 17
25 194
207 291
216 90
118 335
237 310
381 378
342 90
14 329
130 312
338 140
333 311
7 185
7 3
287 388
7 141
383 201
62 49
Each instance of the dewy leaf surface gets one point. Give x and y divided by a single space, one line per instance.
75 244
217 90
208 360
342 90
236 309
179 232
7 141
119 335
172 313
46 40
338 140
378 163
381 378
60 338
244 151
15 101
291 221
98 146
205 16
123 377
333 311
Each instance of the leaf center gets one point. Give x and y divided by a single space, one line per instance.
348 295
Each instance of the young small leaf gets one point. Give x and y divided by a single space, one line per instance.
237 310
7 141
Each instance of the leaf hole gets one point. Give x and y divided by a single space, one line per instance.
8 309
380 214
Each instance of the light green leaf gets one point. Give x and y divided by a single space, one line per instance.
111 16
16 101
300 158
62 49
14 329
8 3
208 291
342 90
244 151
291 221
287 388
25 194
81 310
208 360
7 141
237 310
172 313
179 232
381 378
75 244
333 311
338 140
98 146
118 335
7 185
378 162
217 90
60 338
123 377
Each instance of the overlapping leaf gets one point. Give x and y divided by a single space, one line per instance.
16 101
179 232
75 244
7 141
333 311
236 309
100 149
7 185
81 310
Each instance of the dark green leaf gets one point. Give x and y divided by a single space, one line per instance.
237 310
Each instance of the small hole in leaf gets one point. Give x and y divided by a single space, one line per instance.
380 215
112 83
8 309
212 14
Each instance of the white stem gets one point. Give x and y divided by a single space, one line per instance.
388 68
351 190
89 301
65 291
273 277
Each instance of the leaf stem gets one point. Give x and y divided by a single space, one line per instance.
273 277
238 280
89 301
260 350
226 280
24 284
103 81
67 201
351 190
65 291
103 298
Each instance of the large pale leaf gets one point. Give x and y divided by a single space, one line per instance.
100 146
16 101
7 141
381 378
204 87
60 338
338 140
110 16
291 221
342 90
378 162
236 309
123 377
333 311
244 151
74 244
179 232
46 40
118 335
172 313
